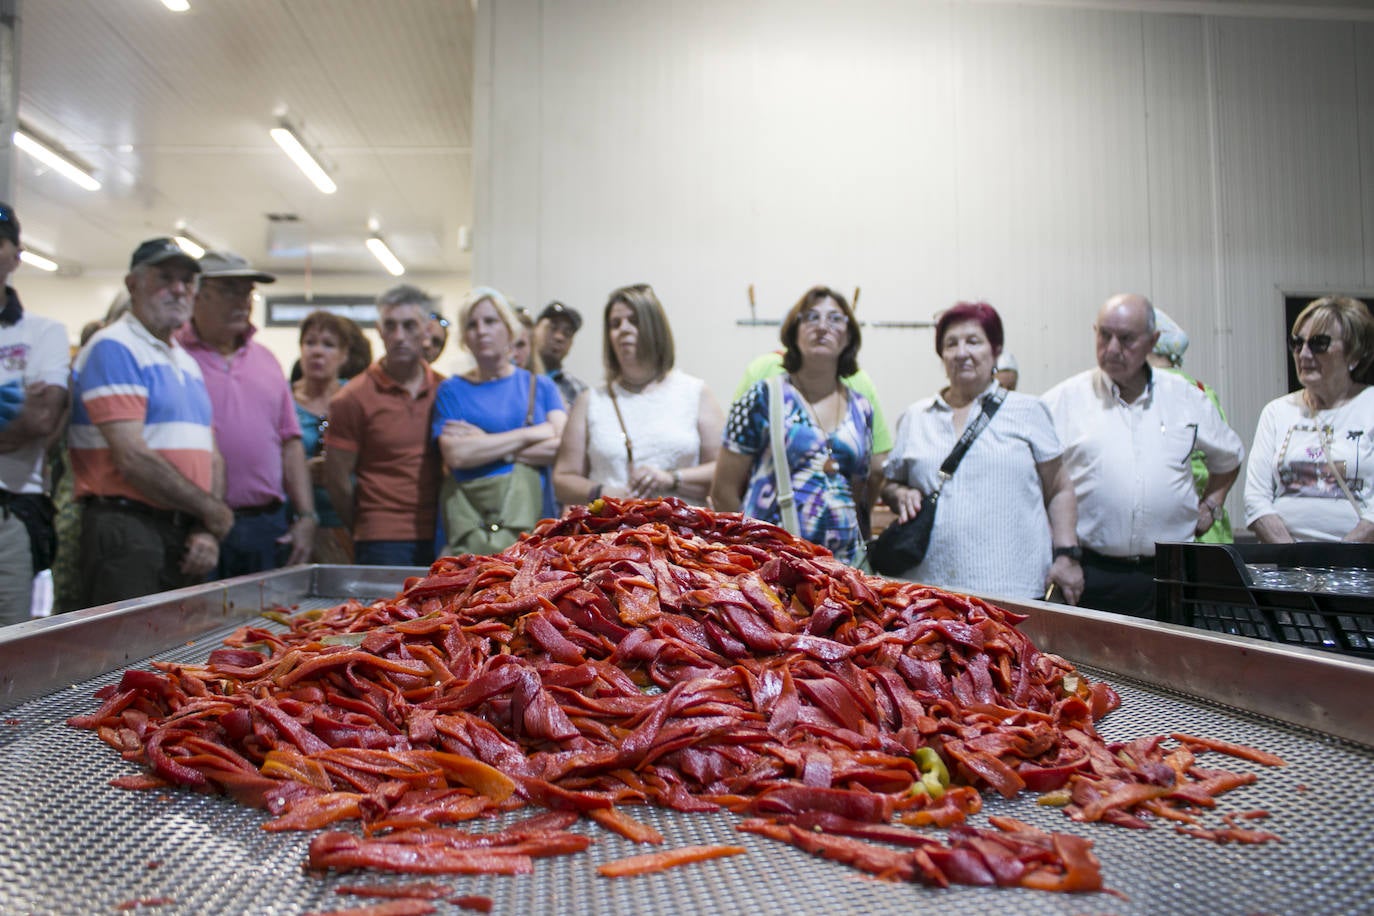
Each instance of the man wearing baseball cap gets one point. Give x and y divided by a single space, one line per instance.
142 446
33 394
255 422
553 338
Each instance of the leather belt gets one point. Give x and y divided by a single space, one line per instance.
174 517
264 509
1137 562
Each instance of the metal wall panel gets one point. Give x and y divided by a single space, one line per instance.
1288 189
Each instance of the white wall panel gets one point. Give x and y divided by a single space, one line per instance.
1052 194
1180 149
1039 156
1364 61
1289 189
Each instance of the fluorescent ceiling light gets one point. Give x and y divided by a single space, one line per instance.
177 6
55 161
382 253
195 250
291 145
38 260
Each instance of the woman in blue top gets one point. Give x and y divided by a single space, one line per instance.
828 433
480 416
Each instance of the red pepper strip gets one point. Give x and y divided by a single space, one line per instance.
888 833
139 781
1230 835
390 908
1123 798
166 767
1235 750
316 811
344 852
109 709
1081 870
474 902
618 821
423 890
325 660
889 864
470 772
145 901
669 858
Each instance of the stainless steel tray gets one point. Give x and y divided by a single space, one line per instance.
74 844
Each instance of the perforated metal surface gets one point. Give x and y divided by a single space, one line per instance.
73 844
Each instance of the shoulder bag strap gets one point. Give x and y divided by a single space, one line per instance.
624 431
1345 488
990 404
787 503
529 410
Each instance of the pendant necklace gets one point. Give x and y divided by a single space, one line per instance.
831 466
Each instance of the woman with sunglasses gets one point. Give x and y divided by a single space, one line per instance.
650 430
1309 473
828 433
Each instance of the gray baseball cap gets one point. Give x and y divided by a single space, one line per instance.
227 264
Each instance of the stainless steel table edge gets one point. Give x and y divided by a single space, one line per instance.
1324 691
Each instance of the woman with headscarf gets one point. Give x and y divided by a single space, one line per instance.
1168 355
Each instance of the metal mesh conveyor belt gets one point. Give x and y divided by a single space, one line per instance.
70 843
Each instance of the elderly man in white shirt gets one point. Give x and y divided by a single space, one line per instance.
1128 434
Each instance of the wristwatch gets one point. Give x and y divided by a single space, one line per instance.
1074 553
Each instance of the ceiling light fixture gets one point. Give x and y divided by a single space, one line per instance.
33 258
383 254
192 248
55 160
289 139
177 6
188 241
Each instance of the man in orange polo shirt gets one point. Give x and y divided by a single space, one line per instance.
378 436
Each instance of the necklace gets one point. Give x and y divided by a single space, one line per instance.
831 466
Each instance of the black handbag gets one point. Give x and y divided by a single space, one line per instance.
903 545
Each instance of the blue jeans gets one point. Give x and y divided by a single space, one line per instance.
252 545
393 553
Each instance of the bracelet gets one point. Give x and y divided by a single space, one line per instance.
677 481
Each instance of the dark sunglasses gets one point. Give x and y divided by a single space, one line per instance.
1317 343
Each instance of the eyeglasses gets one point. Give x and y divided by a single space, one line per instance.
833 319
435 316
1317 343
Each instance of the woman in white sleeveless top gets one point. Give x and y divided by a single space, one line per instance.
650 430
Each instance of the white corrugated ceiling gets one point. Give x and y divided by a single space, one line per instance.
172 111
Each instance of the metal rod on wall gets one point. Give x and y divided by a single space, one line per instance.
754 321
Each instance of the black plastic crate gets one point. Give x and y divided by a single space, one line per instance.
1209 586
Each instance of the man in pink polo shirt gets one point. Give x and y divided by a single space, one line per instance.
254 420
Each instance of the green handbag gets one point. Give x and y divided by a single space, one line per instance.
488 514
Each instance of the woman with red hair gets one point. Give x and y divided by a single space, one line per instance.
1010 500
